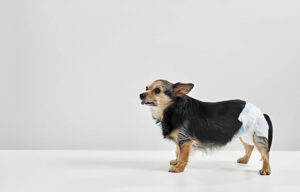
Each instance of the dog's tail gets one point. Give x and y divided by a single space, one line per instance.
270 132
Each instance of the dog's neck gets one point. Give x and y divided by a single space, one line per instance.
157 113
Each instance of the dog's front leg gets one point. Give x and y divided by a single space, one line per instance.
174 162
183 157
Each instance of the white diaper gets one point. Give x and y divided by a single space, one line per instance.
253 121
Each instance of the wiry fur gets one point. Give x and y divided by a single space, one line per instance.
209 123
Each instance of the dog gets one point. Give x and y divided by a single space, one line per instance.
192 123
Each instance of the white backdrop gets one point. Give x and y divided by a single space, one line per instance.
71 71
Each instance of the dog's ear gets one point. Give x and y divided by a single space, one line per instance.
181 89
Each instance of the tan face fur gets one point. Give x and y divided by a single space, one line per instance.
158 95
160 99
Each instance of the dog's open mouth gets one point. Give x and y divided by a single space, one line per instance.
147 103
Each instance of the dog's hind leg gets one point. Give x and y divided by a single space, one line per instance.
183 157
174 162
248 152
261 143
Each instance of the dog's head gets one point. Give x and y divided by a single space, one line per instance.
161 93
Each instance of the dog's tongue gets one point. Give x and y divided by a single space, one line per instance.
143 102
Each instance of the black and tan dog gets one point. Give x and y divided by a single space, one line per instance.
191 123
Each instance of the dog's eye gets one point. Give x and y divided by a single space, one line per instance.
146 88
156 90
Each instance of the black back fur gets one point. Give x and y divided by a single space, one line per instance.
210 123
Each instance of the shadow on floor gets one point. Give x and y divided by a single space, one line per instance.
163 166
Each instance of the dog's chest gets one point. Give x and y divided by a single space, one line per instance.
174 135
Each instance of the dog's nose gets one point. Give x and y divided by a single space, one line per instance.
143 95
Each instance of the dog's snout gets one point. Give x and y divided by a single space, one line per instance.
143 95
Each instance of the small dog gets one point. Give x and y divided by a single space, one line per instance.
191 123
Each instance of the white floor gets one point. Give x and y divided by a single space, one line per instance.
62 171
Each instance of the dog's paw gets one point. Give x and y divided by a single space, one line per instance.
173 162
243 160
175 169
265 172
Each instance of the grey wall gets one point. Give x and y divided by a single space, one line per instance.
71 71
